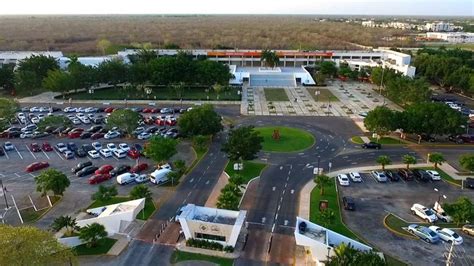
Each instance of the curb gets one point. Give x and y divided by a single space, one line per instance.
46 212
395 232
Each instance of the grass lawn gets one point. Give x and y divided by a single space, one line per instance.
331 196
147 211
251 170
103 246
275 95
291 139
384 140
391 261
29 215
325 95
161 93
179 256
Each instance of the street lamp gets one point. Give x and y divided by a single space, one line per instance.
440 195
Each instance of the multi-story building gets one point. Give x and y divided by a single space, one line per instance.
439 26
452 37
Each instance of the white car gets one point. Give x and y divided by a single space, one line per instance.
85 120
144 135
120 153
106 153
94 154
90 110
8 146
34 109
343 180
434 175
80 109
355 176
35 120
447 235
424 213
76 121
142 178
69 110
124 146
138 130
111 146
30 127
21 116
26 134
112 135
379 176
97 146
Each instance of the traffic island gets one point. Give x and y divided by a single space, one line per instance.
285 139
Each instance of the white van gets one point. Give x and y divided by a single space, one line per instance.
119 153
126 178
160 176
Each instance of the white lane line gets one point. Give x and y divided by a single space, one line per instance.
6 154
46 155
207 182
189 194
30 151
17 175
192 180
59 155
32 175
273 188
19 154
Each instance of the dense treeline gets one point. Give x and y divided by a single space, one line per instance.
146 68
452 69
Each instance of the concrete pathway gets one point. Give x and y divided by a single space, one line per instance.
216 191
119 246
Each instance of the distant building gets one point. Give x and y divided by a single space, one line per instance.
216 225
439 26
14 57
369 24
451 37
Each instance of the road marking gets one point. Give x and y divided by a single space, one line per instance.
273 227
32 175
263 220
18 153
273 188
30 151
292 191
192 180
6 154
276 218
353 163
286 222
189 193
184 201
278 209
46 155
281 167
207 182
286 184
59 155
17 175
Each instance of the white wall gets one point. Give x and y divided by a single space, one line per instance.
70 241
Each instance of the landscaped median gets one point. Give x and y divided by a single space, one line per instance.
179 256
288 139
102 247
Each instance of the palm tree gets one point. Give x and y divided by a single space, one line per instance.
467 161
343 255
327 217
384 160
105 193
64 221
408 159
140 191
218 89
92 233
321 182
270 58
436 158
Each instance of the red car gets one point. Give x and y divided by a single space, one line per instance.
109 110
97 136
96 179
34 147
133 153
155 110
160 122
104 169
139 167
147 110
74 134
36 166
47 146
171 122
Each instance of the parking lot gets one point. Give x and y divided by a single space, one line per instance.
375 200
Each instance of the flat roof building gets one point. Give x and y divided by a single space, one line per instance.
452 37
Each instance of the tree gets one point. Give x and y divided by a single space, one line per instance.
269 58
178 88
103 45
31 72
82 76
54 121
8 109
327 217
7 77
58 81
200 143
328 68
64 221
92 233
112 72
202 120
384 160
436 158
125 119
105 193
217 89
345 254
140 191
52 180
462 211
243 143
320 78
322 181
467 161
28 245
161 149
228 200
381 121
408 159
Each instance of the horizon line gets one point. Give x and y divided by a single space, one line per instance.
233 14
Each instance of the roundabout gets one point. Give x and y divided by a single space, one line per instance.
285 139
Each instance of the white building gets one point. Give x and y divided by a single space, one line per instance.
452 37
93 61
321 241
14 57
116 217
369 24
439 26
216 225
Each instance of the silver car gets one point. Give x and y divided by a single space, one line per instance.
424 233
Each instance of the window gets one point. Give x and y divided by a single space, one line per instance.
209 237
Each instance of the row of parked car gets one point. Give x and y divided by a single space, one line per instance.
110 109
392 175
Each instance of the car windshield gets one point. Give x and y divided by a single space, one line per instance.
428 212
432 234
455 235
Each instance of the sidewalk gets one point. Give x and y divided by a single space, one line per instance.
216 191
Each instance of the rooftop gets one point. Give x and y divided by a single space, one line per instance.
210 215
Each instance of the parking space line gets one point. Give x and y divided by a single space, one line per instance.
59 155
46 155
17 175
19 154
30 151
6 154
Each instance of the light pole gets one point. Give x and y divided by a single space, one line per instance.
319 160
440 195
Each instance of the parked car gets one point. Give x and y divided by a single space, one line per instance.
99 178
97 135
421 175
36 166
355 177
424 233
68 154
142 179
97 146
86 171
372 145
120 170
348 203
424 213
111 146
71 146
87 147
34 147
139 167
85 135
106 153
93 154
124 147
392 175
406 175
469 183
8 146
60 147
144 136
126 178
74 134
80 153
80 166
447 235
104 169
434 175
112 135
468 229
46 147
119 153
440 213
379 176
133 153
343 180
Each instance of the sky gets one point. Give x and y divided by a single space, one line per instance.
330 7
